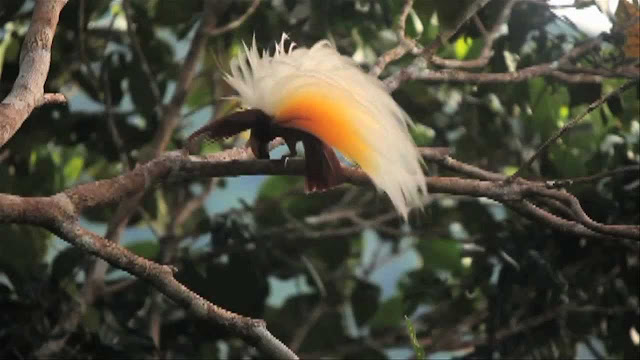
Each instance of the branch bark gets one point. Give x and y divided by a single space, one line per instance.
235 23
35 58
176 166
59 214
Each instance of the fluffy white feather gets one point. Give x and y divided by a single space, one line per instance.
322 92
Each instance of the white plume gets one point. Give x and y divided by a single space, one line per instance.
378 141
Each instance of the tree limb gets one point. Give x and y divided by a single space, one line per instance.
35 58
235 23
175 167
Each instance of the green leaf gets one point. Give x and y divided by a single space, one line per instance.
241 269
140 91
419 351
114 69
201 93
276 186
91 319
4 45
462 46
146 249
389 313
569 160
365 299
86 85
546 102
509 170
209 147
440 254
139 83
23 248
173 12
423 135
72 169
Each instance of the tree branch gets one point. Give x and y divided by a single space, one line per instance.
153 85
554 184
52 98
418 70
94 284
404 43
594 105
35 58
445 34
176 167
59 214
489 38
235 23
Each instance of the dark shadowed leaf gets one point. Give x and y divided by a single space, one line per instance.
66 262
364 301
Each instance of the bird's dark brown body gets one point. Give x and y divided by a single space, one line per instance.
322 167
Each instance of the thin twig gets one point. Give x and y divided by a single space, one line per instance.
594 105
317 279
153 85
82 42
444 35
554 184
418 70
489 39
115 134
235 23
404 43
302 332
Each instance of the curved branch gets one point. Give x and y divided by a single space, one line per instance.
557 199
35 58
235 23
59 214
419 71
404 43
416 71
169 119
552 184
444 35
489 38
176 166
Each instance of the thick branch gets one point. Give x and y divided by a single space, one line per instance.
175 167
171 116
169 119
58 215
35 58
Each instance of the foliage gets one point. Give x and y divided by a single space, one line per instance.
475 278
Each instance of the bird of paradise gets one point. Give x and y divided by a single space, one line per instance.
322 98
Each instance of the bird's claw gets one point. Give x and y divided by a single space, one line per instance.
285 158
